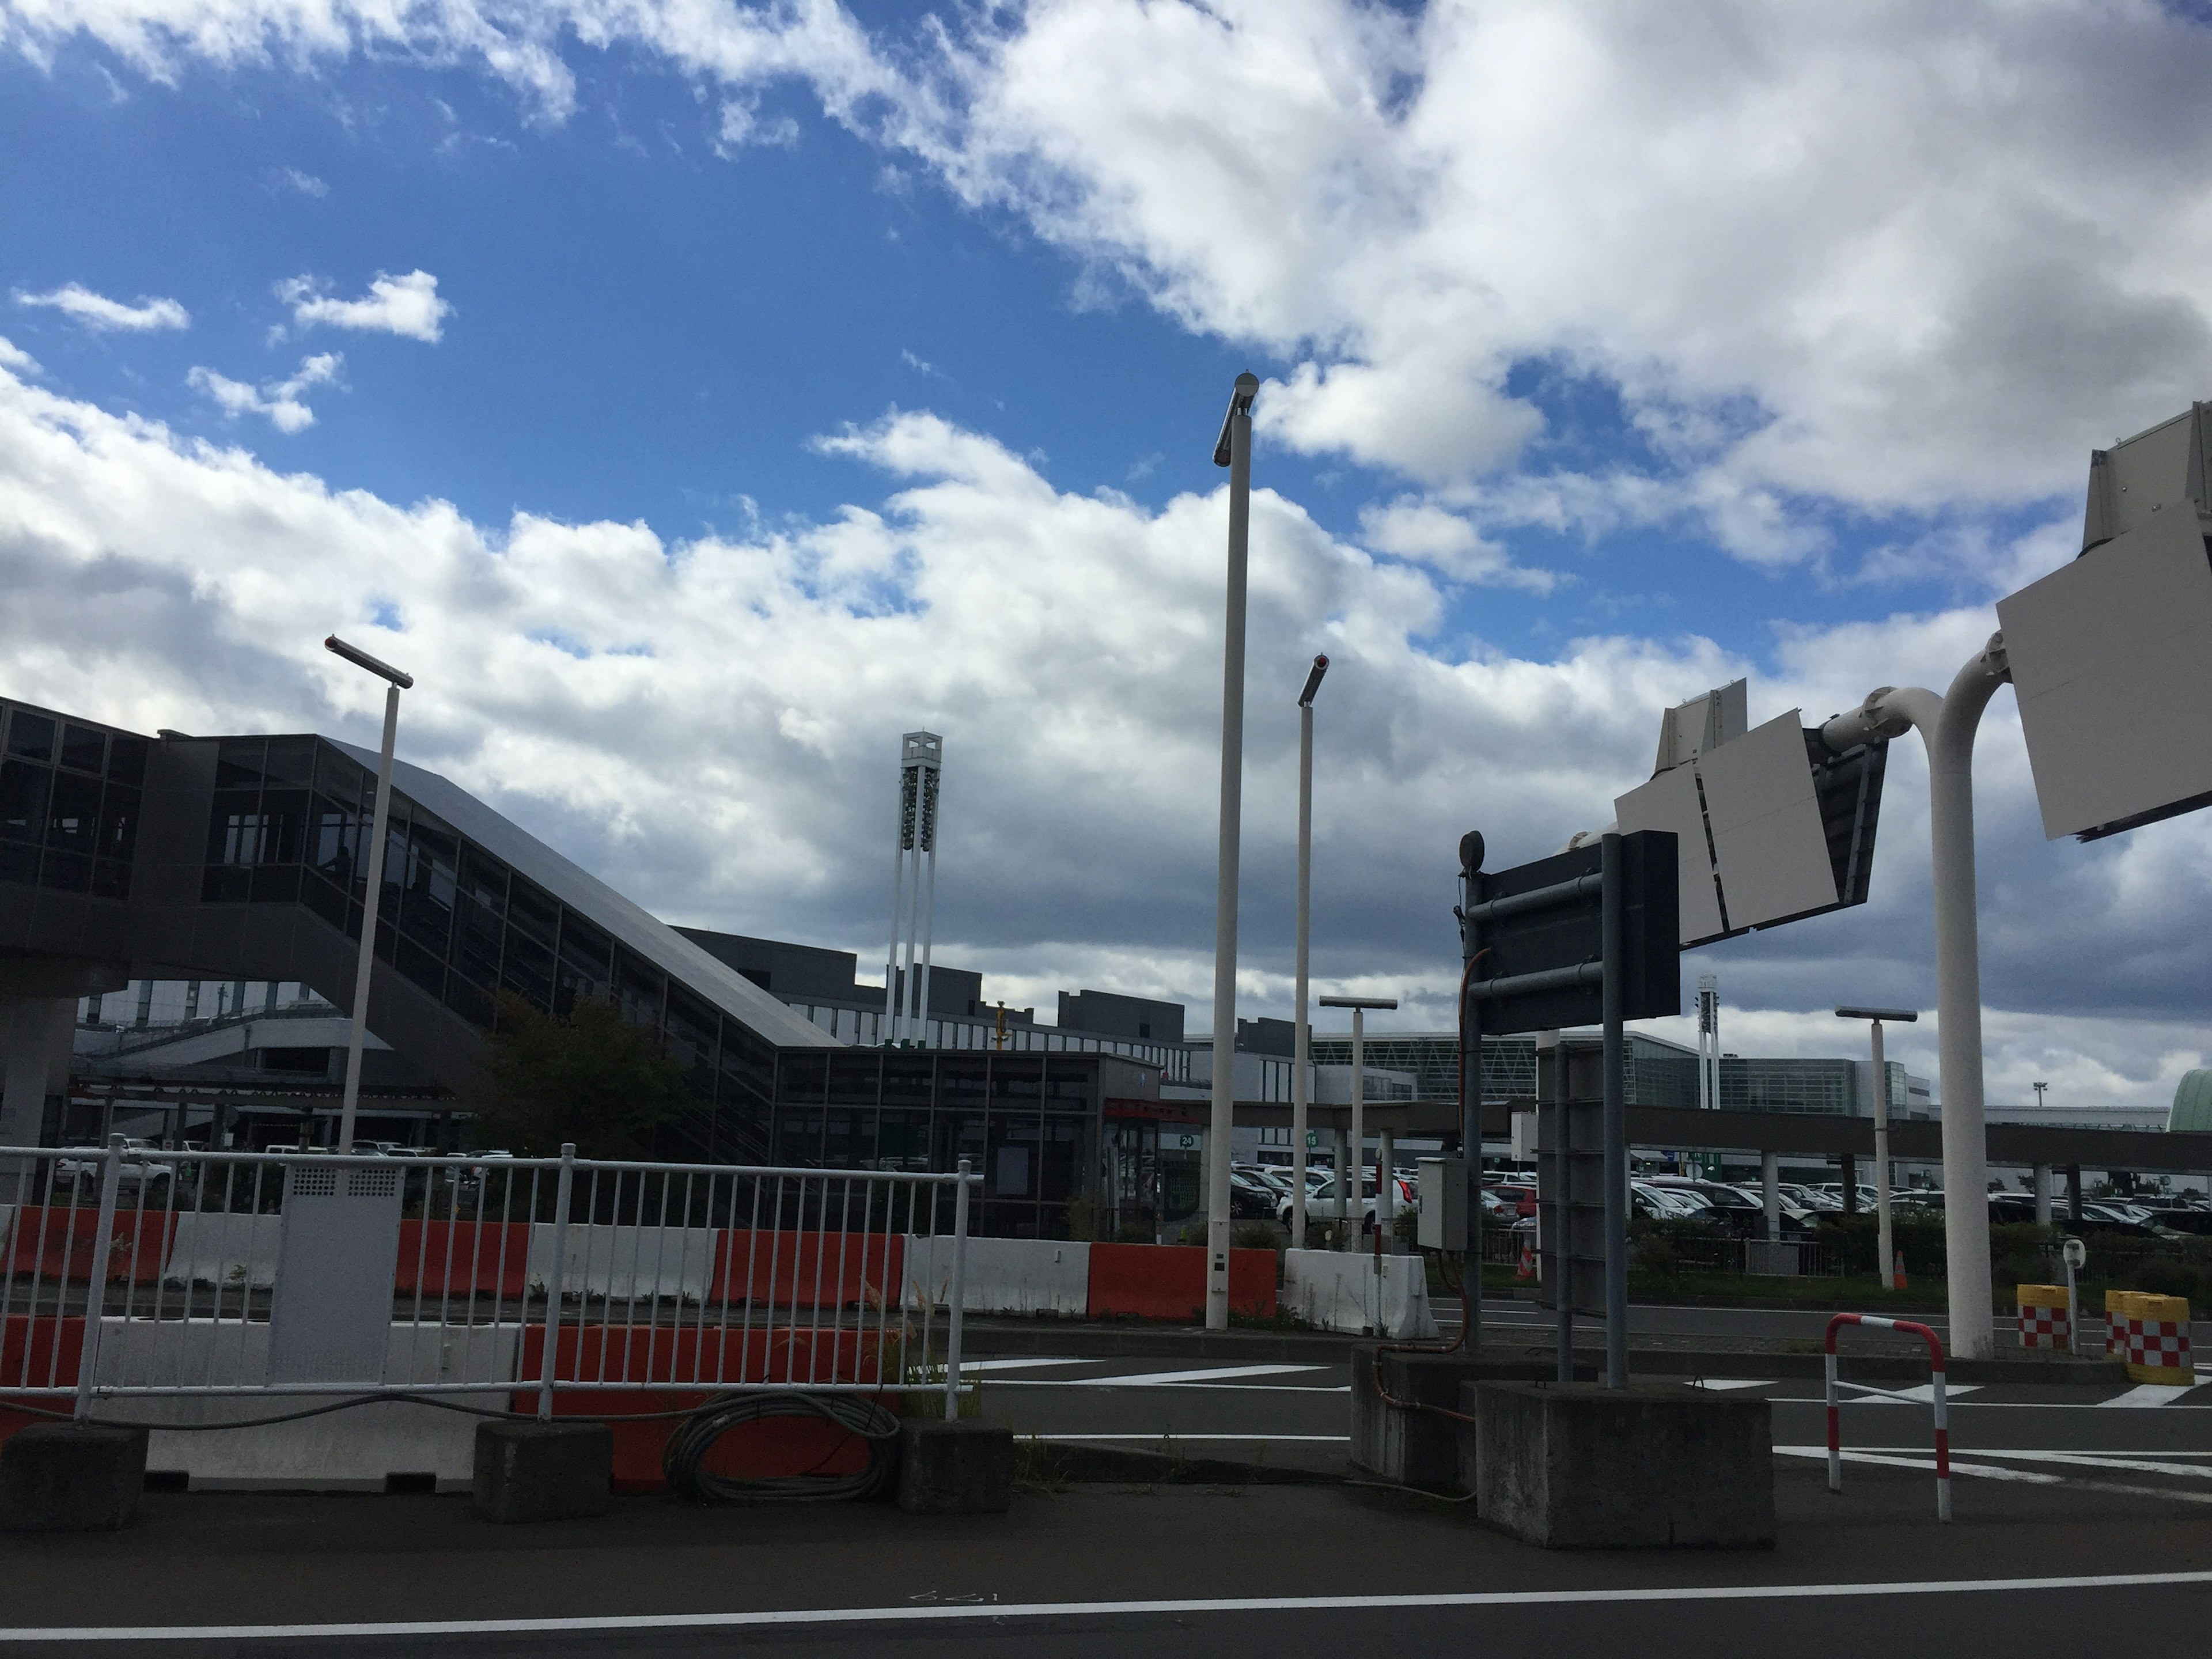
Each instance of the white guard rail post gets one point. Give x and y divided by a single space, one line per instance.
130 1272
1935 1393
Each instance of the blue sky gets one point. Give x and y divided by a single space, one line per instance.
1608 357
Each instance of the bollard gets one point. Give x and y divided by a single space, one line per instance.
2046 1316
1935 1390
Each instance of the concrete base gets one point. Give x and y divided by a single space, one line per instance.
58 1477
961 1468
1417 1448
1655 1465
526 1470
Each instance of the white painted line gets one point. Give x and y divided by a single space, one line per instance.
1725 1382
2104 1460
1926 1463
1158 1439
1168 1379
970 1612
968 1365
1922 1395
2151 1394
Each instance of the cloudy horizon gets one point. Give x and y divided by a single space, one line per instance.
694 398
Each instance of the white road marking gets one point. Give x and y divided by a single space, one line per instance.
1162 1379
2151 1394
1922 1395
1723 1382
968 1365
1156 1439
1926 1463
973 1611
2104 1460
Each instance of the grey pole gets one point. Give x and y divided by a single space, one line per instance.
1947 726
1616 1122
365 962
1302 1065
1233 451
1770 1194
1885 1241
1348 1237
890 1033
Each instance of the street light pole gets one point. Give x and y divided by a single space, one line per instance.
1301 1082
1885 1261
1349 1203
1234 451
365 962
1947 726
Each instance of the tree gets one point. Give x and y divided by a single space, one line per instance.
590 1077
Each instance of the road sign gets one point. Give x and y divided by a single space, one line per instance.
1538 927
1187 1143
1771 827
2108 654
1313 1138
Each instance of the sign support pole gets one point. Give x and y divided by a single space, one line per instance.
1616 1125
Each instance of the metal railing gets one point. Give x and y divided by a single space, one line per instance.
130 1272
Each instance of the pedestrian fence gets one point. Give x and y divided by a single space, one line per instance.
1836 1324
559 1280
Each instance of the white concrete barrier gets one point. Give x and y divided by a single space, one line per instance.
622 1262
1336 1290
350 1450
1004 1275
235 1249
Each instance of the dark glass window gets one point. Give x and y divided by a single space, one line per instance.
292 762
118 821
234 828
126 761
111 879
31 736
19 861
802 1076
239 762
23 791
856 1078
481 903
691 1036
527 969
73 814
84 748
848 1143
395 861
585 957
908 1079
324 900
337 776
640 988
467 1001
960 1085
337 836
419 964
284 825
433 882
70 872
276 884
227 884
531 908
903 1141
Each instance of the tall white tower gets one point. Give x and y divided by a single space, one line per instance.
1709 1042
913 906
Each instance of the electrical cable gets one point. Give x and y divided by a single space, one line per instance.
683 1462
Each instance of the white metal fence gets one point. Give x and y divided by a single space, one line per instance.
128 1273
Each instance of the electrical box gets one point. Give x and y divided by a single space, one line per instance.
329 1318
1524 1136
1441 1223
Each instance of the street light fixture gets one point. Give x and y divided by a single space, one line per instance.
1347 1178
397 682
1874 1017
1234 451
1301 1085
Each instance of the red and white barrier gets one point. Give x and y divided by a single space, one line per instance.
1935 1392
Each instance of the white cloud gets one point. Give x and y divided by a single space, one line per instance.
304 184
407 306
278 400
13 357
713 725
1427 534
97 311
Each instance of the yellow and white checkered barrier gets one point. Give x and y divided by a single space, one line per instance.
2150 1333
2046 1319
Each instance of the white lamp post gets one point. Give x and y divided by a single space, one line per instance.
1874 1017
1947 724
1348 1178
1301 1085
1234 451
395 683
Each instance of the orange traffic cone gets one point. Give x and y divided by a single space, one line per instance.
1527 1268
1897 1273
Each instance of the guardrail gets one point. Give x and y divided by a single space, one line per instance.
1935 1394
130 1274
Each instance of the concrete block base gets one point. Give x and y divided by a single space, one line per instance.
526 1470
1418 1448
1657 1465
961 1468
59 1477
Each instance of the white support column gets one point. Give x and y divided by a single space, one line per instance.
1770 1194
1386 1185
1351 1239
2043 1195
33 1030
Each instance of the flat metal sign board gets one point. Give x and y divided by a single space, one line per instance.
329 1317
1559 936
2112 660
1770 828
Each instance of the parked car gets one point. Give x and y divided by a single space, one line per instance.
1320 1204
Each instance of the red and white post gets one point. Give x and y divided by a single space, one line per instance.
1935 1392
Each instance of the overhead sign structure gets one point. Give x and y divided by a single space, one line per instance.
2109 655
1770 826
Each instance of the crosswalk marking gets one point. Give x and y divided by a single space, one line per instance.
967 1365
2151 1394
1722 1382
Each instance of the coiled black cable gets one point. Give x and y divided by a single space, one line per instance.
683 1462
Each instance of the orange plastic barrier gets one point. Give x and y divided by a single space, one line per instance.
808 1270
40 1353
752 1451
1168 1281
452 1258
56 1243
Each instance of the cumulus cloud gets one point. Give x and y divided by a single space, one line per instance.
407 306
277 399
713 725
1427 534
97 311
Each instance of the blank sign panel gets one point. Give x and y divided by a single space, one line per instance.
1765 821
1669 802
